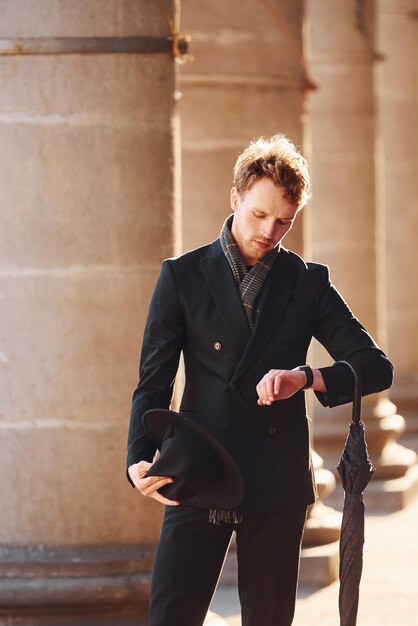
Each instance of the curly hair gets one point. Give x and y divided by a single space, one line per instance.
277 159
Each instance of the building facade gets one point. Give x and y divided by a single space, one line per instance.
114 156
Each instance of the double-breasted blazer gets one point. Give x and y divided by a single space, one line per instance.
196 309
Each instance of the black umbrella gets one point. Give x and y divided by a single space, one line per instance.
355 469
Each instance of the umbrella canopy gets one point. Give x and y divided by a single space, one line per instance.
355 470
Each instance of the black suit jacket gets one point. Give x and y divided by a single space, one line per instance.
196 308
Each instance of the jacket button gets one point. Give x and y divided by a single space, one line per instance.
226 430
232 386
272 430
217 345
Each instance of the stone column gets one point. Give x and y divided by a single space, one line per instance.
247 80
86 179
343 224
397 74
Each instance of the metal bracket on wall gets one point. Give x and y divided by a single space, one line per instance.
86 45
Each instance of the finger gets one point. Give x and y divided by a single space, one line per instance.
149 488
270 383
163 500
261 390
152 483
152 492
138 471
268 390
264 402
276 385
143 467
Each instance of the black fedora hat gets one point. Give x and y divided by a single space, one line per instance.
204 472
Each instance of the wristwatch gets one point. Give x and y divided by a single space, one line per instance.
309 376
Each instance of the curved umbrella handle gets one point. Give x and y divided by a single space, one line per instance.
357 389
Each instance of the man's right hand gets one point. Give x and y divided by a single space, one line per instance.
148 485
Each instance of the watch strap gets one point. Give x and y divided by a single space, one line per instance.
309 376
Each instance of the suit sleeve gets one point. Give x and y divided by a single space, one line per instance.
161 347
346 339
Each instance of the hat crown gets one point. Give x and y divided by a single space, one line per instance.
203 471
189 460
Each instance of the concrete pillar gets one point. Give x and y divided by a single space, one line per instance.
397 77
344 220
247 80
86 179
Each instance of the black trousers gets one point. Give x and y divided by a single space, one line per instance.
189 561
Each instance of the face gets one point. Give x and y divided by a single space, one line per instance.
262 217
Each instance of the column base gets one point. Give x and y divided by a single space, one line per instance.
404 395
384 496
394 462
107 618
213 619
229 576
411 420
322 526
320 546
319 565
388 496
383 428
87 586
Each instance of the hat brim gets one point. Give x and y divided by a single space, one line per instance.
227 493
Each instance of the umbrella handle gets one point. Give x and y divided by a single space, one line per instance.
357 389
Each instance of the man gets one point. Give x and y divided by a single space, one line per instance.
243 311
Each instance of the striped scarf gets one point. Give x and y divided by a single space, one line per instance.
250 282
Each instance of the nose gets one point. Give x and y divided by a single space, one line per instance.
268 230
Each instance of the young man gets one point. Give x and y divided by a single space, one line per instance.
243 311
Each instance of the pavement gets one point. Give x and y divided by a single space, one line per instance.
389 585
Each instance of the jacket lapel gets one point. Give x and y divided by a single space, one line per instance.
225 294
278 291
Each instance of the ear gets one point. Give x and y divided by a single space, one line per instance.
235 198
